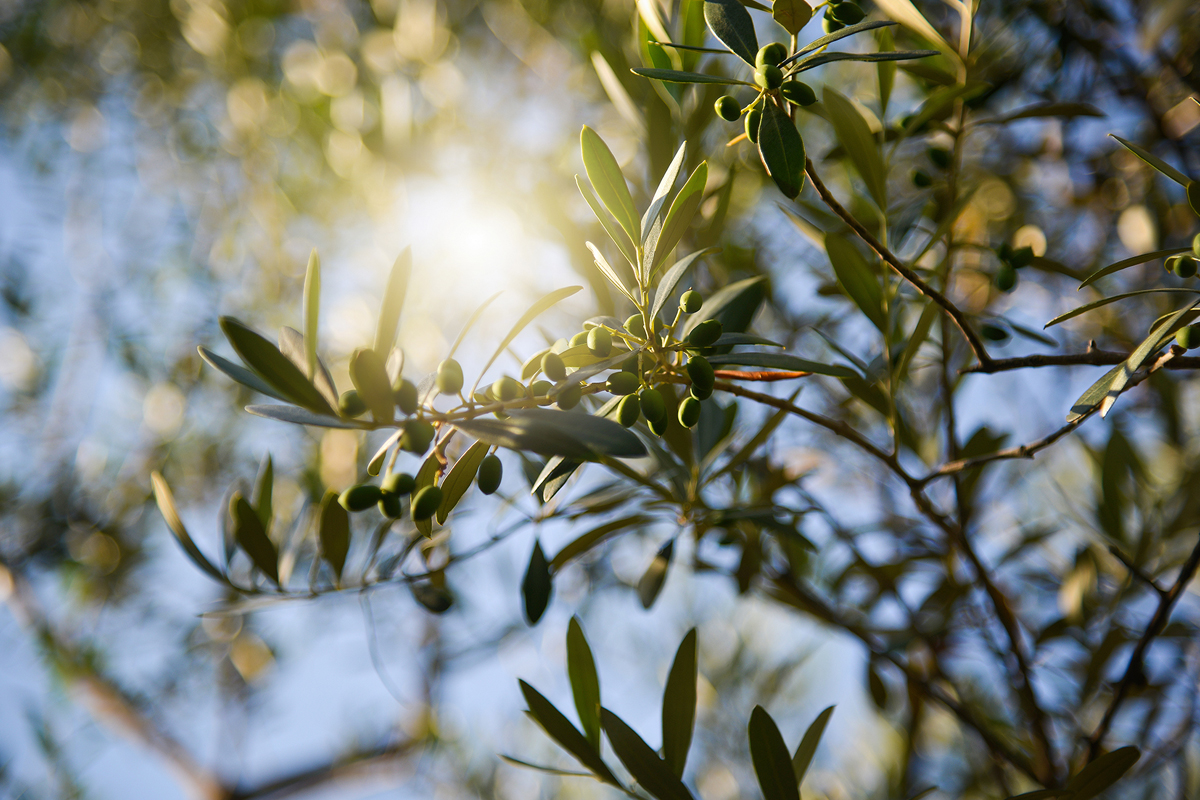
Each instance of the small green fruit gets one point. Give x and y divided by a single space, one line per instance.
579 338
507 389
771 54
569 397
552 365
940 157
705 334
351 404
630 364
539 391
449 377
1021 257
753 117
691 302
798 93
622 383
1006 278
994 333
659 427
689 412
425 502
921 179
628 410
1196 246
654 408
418 435
491 471
399 483
1185 267
768 76
701 373
829 24
360 498
1188 338
636 326
847 13
599 342
405 392
389 505
728 109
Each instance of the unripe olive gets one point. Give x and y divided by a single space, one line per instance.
1185 267
1188 338
425 502
491 471
659 427
771 54
689 412
398 483
691 301
728 109
599 342
921 179
579 338
569 397
994 333
405 392
636 326
539 391
705 334
449 377
351 404
552 365
1006 278
753 117
768 76
829 24
654 407
847 13
506 389
631 364
940 157
1193 196
1021 257
417 436
700 392
798 93
1196 246
628 410
389 505
360 497
622 383
701 373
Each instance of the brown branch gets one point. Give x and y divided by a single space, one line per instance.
767 376
1134 671
1137 571
1094 358
355 767
951 310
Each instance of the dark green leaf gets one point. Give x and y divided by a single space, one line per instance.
537 585
260 498
1155 161
333 532
676 76
1131 262
792 15
587 541
679 217
1075 312
679 705
239 373
1048 110
828 39
651 773
166 506
856 277
730 22
733 339
250 536
585 684
312 310
560 729
769 754
877 688
433 598
808 745
812 62
277 370
291 344
608 181
556 433
782 150
855 135
300 416
458 480
655 576
671 278
1102 773
782 361
393 302
554 476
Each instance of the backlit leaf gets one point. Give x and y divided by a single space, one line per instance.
650 771
679 217
769 754
677 76
782 361
1155 161
250 536
301 416
537 585
560 729
671 278
679 705
264 358
585 684
608 181
333 532
730 22
1131 262
239 373
166 506
856 277
393 302
545 302
458 480
556 433
655 576
595 536
312 309
792 15
855 135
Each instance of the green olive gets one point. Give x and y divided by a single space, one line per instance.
994 333
507 389
1006 278
1196 246
628 410
798 93
599 342
654 407
847 13
389 505
768 76
1188 338
552 365
351 404
659 427
569 397
829 24
728 109
449 377
705 334
691 301
940 157
1185 267
399 483
771 54
689 412
701 373
360 497
579 338
491 472
418 435
405 392
636 326
622 383
753 117
425 502
539 391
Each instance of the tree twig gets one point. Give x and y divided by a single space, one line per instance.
1094 358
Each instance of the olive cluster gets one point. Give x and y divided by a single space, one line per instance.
839 15
1184 264
772 81
424 501
1011 260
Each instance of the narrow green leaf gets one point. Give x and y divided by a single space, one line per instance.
769 754
855 135
781 150
808 745
585 684
1095 394
792 15
1155 161
1102 773
828 39
679 217
1103 301
1133 261
560 729
333 532
782 361
393 302
1067 110
370 378
554 476
856 277
608 181
1150 345
677 76
679 705
941 102
652 580
556 433
537 585
665 185
651 773
239 373
904 12
919 335
595 536
886 71
458 480
291 344
548 770
730 22
312 310
250 536
606 221
812 62
301 416
734 339
475 315
264 358
166 507
608 272
532 313
671 278
264 485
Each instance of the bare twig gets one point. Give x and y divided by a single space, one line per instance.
1137 571
768 376
1094 358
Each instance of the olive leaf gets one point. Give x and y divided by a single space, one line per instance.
830 38
782 150
792 15
650 771
312 309
249 534
458 480
608 181
560 729
1132 261
606 221
781 361
655 576
672 276
769 755
679 705
537 585
541 305
585 685
1102 773
679 216
730 22
1155 161
595 536
676 76
239 373
166 506
855 135
333 532
276 369
733 305
856 277
808 744
556 433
